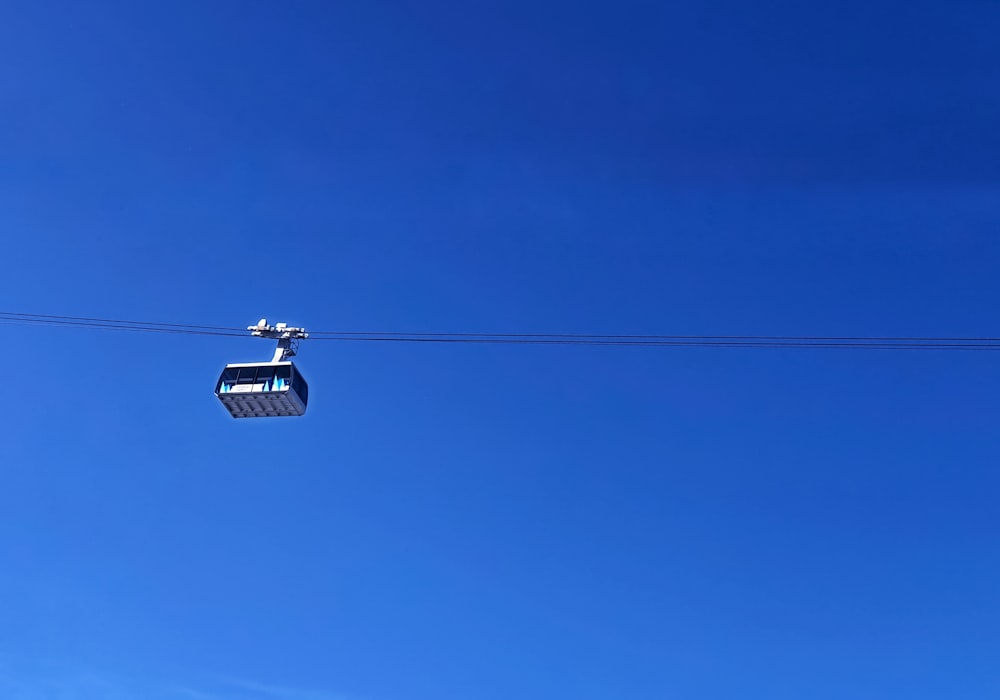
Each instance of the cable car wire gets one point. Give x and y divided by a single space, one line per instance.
680 343
108 324
696 341
31 317
374 334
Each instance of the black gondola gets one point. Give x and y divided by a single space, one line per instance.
262 390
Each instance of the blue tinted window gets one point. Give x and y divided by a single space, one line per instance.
226 381
301 387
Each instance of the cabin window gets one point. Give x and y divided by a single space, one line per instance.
227 380
301 387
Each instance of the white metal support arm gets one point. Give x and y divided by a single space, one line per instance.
287 337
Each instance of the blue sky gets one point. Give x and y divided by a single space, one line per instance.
453 522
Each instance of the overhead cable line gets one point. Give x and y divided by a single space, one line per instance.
356 335
32 317
112 324
707 343
696 341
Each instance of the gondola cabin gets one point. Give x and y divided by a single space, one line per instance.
262 390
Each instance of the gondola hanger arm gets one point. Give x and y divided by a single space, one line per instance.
288 337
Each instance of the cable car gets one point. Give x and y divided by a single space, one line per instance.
266 389
251 390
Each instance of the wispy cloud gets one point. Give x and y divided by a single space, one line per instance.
22 679
73 686
264 691
197 694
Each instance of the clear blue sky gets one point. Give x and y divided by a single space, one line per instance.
501 523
